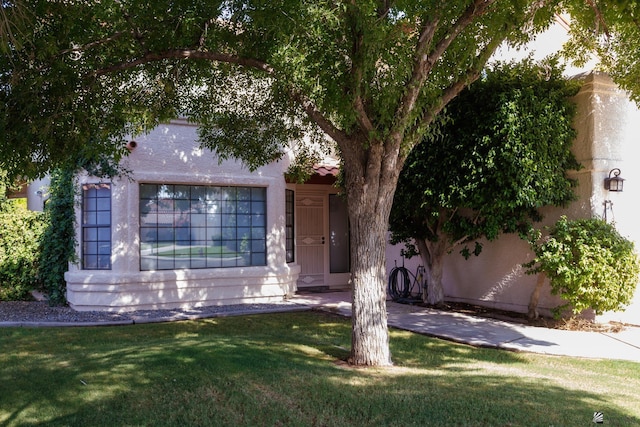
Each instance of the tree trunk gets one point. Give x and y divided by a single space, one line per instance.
369 334
370 177
432 254
535 296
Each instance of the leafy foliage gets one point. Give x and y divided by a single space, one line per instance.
609 30
588 263
20 235
254 74
500 153
57 248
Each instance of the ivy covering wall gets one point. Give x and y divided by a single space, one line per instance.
57 246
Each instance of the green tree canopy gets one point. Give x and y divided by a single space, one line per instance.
256 74
500 154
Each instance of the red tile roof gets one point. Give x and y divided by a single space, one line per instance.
324 170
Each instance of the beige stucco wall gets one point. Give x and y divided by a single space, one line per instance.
170 154
608 125
37 194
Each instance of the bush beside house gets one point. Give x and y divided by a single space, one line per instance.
588 263
20 233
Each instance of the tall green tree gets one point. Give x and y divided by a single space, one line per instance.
370 76
500 154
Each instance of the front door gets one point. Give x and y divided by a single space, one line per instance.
310 239
322 239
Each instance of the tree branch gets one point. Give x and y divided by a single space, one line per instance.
318 118
83 48
425 61
470 76
418 77
203 34
599 18
474 10
356 76
137 35
383 8
188 54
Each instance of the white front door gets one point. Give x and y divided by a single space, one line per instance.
322 238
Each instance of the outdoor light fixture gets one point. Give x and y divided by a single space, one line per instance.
614 183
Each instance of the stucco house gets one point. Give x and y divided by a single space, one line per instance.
186 230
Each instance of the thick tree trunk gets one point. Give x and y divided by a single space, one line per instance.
432 254
371 177
370 339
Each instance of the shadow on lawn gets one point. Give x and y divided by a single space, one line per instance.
270 370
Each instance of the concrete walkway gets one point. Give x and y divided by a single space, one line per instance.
484 332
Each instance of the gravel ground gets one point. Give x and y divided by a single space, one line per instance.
41 312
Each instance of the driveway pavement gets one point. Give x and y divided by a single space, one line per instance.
492 333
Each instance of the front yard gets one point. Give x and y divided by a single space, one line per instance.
286 369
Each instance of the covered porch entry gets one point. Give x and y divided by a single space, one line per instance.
321 233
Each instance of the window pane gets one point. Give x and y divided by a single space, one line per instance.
148 191
89 217
201 226
258 259
244 207
90 262
198 220
90 248
103 218
103 191
259 194
104 234
257 207
90 234
104 249
103 204
104 262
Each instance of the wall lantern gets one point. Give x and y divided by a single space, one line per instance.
614 183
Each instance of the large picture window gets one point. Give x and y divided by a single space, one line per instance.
194 226
96 226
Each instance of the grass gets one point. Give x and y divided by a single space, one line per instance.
284 369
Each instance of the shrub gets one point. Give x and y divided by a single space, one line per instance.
588 263
20 233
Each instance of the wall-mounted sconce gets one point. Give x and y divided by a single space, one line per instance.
614 182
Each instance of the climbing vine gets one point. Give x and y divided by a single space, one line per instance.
57 247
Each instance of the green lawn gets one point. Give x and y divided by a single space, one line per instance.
284 369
